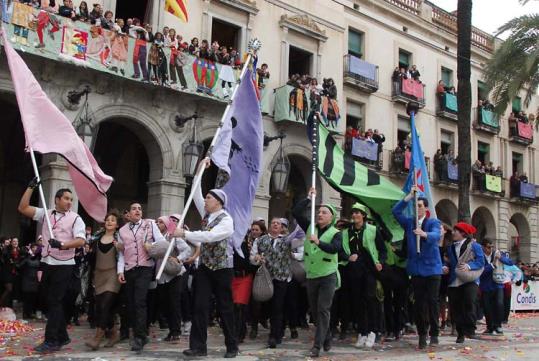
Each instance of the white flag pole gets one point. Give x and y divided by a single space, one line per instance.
314 166
41 194
254 46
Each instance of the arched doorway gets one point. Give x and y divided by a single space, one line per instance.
129 153
447 211
483 220
519 237
15 173
299 182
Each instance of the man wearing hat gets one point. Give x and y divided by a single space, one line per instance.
365 253
423 265
215 272
466 262
322 248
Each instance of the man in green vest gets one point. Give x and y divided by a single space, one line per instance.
321 250
366 253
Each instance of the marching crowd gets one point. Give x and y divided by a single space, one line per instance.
345 276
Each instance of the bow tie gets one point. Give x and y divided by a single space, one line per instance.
133 225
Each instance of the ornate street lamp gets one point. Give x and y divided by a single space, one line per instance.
84 121
192 152
281 171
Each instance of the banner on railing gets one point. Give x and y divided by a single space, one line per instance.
413 88
362 68
527 190
525 130
493 183
58 38
489 118
364 149
450 101
525 296
452 171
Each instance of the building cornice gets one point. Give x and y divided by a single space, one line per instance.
243 5
303 24
299 11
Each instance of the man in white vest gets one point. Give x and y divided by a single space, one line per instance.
136 269
58 259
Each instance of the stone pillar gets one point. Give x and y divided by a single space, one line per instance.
503 242
165 196
284 56
534 241
205 31
261 206
55 175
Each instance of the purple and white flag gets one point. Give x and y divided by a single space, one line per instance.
238 151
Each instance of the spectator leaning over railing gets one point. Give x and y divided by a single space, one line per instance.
67 10
414 73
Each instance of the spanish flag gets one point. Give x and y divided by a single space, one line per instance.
177 8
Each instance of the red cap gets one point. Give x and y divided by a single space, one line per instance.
465 228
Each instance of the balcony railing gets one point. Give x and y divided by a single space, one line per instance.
366 152
446 171
412 6
360 73
523 191
406 90
488 184
486 120
399 163
116 54
447 106
520 132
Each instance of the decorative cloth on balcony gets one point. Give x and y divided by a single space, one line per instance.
452 171
489 118
493 184
527 190
525 130
450 101
364 149
413 88
362 68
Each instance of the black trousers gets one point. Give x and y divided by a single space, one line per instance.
137 281
187 297
427 307
395 283
55 281
291 308
492 302
172 299
462 302
362 306
218 283
29 305
277 309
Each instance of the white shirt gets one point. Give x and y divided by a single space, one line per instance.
458 245
79 231
157 236
420 221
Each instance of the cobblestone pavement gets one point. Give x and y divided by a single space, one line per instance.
518 343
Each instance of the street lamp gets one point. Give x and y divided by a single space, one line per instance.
281 171
192 152
83 122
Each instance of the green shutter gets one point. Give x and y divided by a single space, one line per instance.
404 58
483 147
517 106
355 43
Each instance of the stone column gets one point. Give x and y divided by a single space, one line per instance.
55 175
261 206
503 242
284 57
165 196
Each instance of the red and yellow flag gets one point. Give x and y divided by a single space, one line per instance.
177 8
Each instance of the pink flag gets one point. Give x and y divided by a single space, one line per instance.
412 87
525 130
47 130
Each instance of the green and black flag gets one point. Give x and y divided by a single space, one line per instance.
349 176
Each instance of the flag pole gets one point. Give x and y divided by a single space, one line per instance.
254 46
314 166
41 194
412 109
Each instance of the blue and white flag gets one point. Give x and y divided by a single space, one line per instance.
418 171
238 151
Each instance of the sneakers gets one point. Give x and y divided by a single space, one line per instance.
360 341
434 341
498 331
294 334
488 332
186 329
46 347
422 342
371 338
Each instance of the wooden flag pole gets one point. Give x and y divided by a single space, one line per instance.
254 46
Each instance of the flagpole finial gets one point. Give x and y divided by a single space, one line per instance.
412 107
254 45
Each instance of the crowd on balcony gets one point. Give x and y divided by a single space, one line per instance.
406 80
406 73
369 136
401 157
149 60
442 90
515 183
445 166
519 117
479 172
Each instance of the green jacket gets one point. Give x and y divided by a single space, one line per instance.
369 237
392 258
317 262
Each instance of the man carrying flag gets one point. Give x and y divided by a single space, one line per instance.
421 239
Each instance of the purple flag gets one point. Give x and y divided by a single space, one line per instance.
238 151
